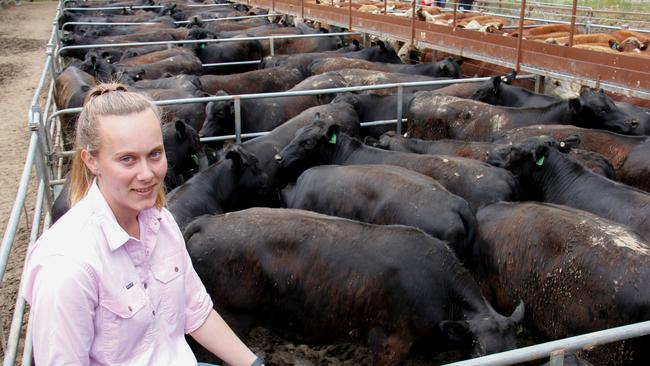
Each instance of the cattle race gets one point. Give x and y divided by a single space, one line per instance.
364 182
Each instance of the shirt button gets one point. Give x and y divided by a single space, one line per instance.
153 312
130 308
175 269
144 284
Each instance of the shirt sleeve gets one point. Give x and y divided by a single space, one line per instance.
63 297
198 303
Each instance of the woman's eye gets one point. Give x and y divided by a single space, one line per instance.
126 159
156 154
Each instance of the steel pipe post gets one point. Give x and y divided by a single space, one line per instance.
557 358
19 309
238 119
271 46
521 34
14 217
573 22
400 97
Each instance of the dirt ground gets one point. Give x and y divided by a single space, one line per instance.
24 32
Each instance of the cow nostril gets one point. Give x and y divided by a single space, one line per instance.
278 157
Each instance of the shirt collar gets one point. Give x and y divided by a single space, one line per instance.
115 235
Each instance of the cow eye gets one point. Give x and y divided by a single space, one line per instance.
606 108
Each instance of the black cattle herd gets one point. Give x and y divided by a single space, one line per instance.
498 208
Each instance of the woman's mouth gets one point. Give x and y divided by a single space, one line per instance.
144 191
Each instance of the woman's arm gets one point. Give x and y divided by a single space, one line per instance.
217 337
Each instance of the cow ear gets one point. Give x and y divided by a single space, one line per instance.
496 81
317 117
575 105
234 154
518 315
602 91
539 154
381 45
356 44
456 330
459 61
333 133
181 131
569 143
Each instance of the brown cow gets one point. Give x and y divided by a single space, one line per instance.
70 89
576 272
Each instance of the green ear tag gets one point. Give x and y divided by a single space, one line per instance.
202 45
196 159
333 139
540 161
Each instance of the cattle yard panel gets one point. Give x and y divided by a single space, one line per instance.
577 343
237 98
619 73
208 20
38 155
138 7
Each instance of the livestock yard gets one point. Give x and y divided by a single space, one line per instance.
494 153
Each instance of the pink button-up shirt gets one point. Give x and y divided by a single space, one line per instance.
101 297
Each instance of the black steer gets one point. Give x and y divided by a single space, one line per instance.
382 194
472 180
576 272
545 174
233 184
431 116
321 279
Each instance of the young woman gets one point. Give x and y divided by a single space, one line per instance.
111 283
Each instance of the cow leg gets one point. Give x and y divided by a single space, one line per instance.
388 349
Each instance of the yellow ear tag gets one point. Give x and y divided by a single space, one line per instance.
333 139
540 161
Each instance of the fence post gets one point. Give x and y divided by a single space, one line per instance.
521 33
557 358
400 96
238 119
573 22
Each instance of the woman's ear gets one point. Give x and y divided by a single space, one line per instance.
90 161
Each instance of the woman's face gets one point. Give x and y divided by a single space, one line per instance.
130 165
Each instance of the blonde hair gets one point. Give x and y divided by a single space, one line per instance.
110 99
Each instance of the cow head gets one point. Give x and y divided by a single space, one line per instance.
185 155
96 66
311 146
594 109
521 159
449 68
489 92
381 52
219 117
484 334
244 164
528 160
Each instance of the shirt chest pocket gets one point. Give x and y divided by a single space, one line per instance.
169 277
127 325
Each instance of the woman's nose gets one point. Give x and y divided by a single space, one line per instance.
146 171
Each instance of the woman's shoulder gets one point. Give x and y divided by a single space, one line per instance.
73 235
